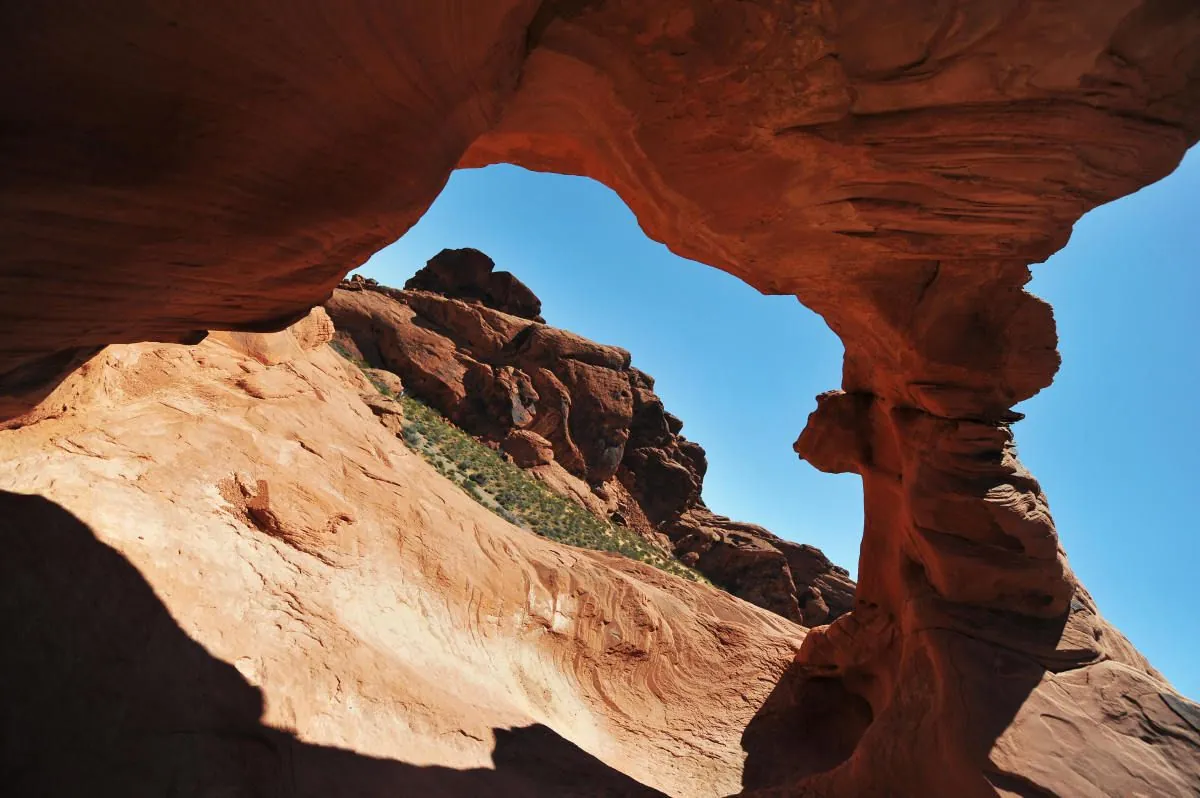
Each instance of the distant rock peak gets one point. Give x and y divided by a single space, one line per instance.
470 275
468 341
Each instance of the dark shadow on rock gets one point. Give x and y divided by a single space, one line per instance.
806 726
103 694
955 698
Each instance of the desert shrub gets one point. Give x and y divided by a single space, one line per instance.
346 353
512 494
380 385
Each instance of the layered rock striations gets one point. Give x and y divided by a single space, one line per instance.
171 169
223 574
578 415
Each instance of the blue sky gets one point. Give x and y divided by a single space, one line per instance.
1114 441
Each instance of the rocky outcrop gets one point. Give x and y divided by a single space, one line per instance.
224 576
551 398
762 568
176 168
469 274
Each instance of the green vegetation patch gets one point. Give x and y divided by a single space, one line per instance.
512 494
346 353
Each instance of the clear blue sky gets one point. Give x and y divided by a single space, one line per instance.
1114 441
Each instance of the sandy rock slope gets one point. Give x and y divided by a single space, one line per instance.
223 575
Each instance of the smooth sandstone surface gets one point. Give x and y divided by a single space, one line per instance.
227 577
896 166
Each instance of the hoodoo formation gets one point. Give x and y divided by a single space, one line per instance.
177 168
470 341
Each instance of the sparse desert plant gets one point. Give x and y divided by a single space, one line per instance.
346 353
380 386
508 491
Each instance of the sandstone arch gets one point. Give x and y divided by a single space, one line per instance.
894 165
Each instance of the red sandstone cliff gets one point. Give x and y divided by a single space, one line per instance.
470 341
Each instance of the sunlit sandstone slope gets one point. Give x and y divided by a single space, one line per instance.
224 574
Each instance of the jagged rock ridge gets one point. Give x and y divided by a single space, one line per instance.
578 415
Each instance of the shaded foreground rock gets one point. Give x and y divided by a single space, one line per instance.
550 398
225 576
172 169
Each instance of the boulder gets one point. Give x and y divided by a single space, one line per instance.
527 449
468 274
385 380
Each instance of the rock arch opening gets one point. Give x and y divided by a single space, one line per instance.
175 170
712 346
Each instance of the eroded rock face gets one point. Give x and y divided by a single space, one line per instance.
469 274
225 576
894 166
972 596
582 418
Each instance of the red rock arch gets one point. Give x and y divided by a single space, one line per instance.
896 166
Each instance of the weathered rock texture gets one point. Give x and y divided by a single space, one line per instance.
224 576
578 415
176 168
469 274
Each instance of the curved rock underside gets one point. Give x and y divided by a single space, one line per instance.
171 169
578 416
